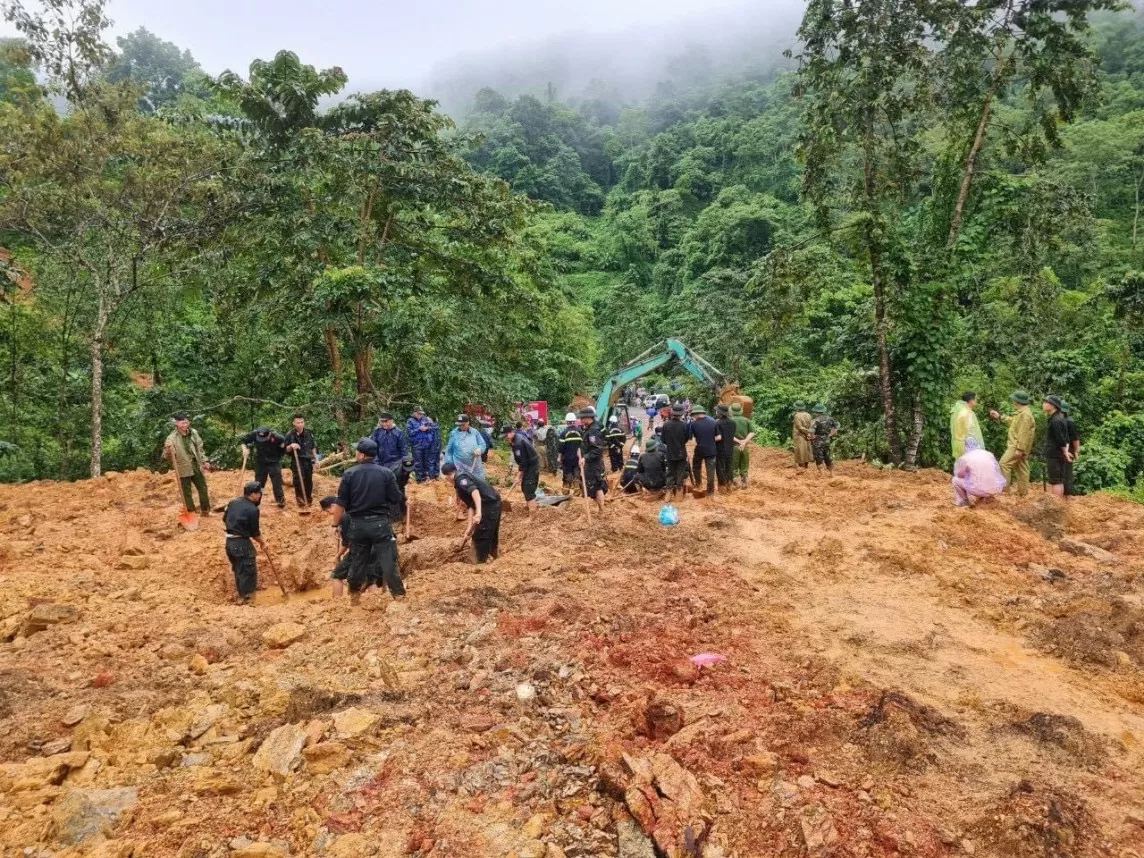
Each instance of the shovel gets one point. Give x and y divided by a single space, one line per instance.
274 572
410 536
584 486
302 485
241 482
187 519
506 504
459 551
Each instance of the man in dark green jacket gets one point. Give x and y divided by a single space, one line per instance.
185 447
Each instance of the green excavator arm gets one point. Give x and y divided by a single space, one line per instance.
655 358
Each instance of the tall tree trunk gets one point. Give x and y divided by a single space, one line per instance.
1136 214
334 353
97 389
915 442
970 165
363 372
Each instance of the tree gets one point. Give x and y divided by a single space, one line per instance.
159 67
65 39
17 81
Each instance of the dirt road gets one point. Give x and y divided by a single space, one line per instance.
900 677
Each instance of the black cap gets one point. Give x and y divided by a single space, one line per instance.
180 415
1055 401
677 409
448 468
385 415
462 418
367 446
417 409
252 488
262 430
327 502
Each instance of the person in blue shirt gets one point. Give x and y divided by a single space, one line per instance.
392 448
423 438
465 447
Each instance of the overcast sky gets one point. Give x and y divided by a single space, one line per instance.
380 42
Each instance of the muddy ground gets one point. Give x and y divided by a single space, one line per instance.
901 677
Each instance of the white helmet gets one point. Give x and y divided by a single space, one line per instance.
569 417
613 419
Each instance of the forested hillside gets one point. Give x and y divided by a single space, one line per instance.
692 216
229 247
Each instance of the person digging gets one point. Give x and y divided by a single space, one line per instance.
241 521
484 506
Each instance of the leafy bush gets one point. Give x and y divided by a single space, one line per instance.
1101 467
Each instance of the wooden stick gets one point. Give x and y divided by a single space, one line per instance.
584 487
274 571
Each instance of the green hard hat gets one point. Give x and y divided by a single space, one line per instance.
1021 397
698 409
1065 407
800 406
650 444
819 409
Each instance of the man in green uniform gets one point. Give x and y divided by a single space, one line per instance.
741 455
801 435
963 424
823 429
186 447
1022 433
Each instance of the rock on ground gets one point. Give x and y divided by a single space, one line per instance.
281 752
85 813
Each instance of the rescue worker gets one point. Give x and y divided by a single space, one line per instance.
369 495
571 442
801 435
240 519
705 432
541 444
392 448
628 479
552 448
1074 446
483 431
527 463
651 475
1058 447
592 461
744 434
422 433
300 440
268 449
675 437
191 462
342 563
615 438
963 424
465 448
1019 446
824 428
725 452
484 505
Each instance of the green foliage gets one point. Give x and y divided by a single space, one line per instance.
1101 467
164 72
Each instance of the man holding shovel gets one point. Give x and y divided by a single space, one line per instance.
592 461
268 449
184 448
302 449
484 505
241 520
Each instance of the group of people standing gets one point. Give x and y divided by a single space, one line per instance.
1061 448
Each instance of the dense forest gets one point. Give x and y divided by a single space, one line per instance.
905 207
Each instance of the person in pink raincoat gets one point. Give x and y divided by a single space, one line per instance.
976 475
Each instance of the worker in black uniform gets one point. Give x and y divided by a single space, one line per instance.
484 505
241 521
302 450
616 438
342 564
675 437
527 464
368 494
651 474
268 449
571 440
628 479
592 460
705 432
725 452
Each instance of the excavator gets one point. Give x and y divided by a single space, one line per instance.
655 358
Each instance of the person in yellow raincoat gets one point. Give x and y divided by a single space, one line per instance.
1018 449
963 424
801 434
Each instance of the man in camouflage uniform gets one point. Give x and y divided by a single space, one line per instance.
823 428
1022 433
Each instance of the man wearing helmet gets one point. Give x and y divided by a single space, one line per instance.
571 440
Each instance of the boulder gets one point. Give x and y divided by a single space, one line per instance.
85 813
819 835
281 635
136 562
281 752
354 722
47 615
633 842
1084 549
326 757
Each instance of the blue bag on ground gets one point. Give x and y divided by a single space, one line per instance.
668 515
